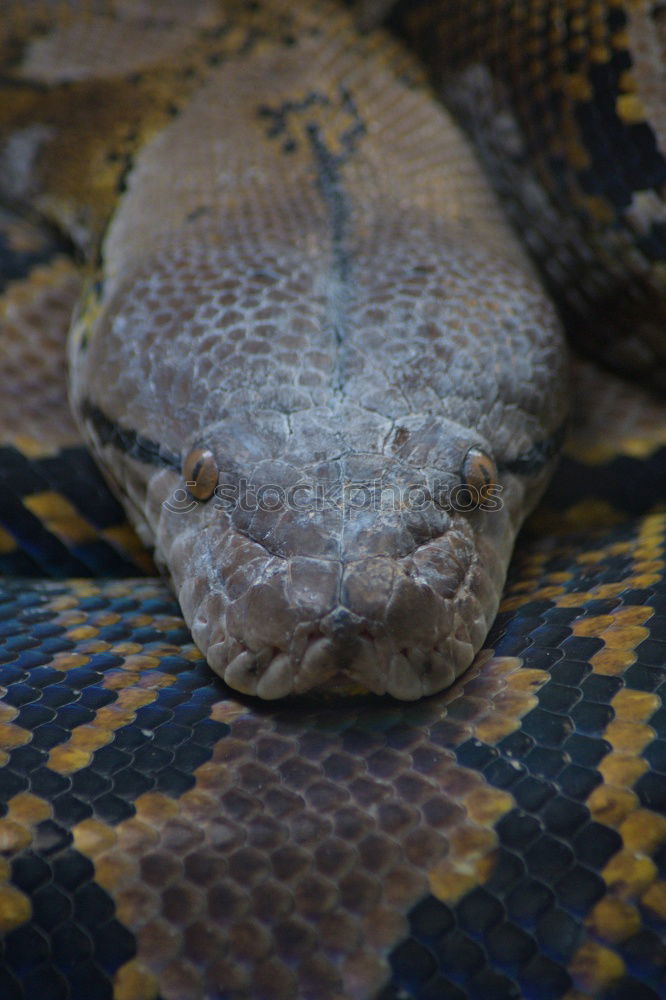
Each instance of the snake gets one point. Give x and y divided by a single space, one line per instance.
322 374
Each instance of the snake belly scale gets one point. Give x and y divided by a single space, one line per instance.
298 281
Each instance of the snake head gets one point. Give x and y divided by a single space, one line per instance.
339 568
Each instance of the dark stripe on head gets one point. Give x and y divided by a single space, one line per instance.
131 443
126 440
532 461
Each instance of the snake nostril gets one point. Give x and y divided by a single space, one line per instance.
341 625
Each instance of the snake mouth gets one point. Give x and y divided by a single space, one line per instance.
407 674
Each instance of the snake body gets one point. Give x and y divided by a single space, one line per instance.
566 103
298 280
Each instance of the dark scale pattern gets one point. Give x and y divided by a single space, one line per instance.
564 108
38 551
616 478
74 942
17 261
527 924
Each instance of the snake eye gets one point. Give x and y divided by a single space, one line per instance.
200 472
478 469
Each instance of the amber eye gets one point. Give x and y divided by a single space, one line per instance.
478 469
200 472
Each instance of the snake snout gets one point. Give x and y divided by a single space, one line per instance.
403 625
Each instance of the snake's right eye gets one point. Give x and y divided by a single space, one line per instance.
201 473
478 469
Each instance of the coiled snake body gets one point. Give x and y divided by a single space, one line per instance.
307 339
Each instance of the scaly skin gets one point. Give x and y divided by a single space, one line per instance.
306 275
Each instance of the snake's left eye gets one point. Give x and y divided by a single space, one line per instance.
478 469
201 473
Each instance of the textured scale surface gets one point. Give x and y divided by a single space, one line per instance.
164 838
